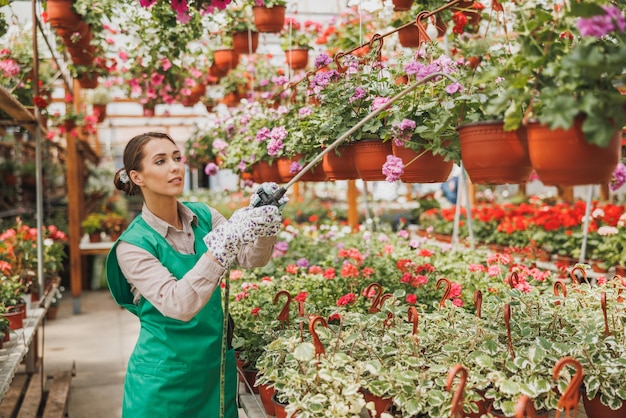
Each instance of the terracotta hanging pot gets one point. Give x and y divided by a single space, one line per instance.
62 16
284 169
231 99
492 155
402 5
263 172
88 80
225 60
339 164
297 58
422 166
266 393
466 7
100 110
596 409
269 19
245 42
564 157
369 157
148 110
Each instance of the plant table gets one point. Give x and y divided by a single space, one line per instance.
22 345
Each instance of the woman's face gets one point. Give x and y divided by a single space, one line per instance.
163 171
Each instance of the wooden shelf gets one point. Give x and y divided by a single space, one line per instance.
16 110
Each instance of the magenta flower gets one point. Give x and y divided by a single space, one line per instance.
393 168
295 167
274 146
454 88
263 134
211 169
379 102
619 177
600 25
359 93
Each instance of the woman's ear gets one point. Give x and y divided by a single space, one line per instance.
136 177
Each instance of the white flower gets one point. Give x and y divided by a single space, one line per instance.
607 230
598 213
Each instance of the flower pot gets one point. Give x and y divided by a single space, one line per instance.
95 237
339 164
225 60
270 19
245 42
423 166
620 270
380 404
148 110
266 393
284 169
231 99
402 5
52 312
279 408
297 58
16 320
88 80
563 156
594 408
369 157
492 155
62 16
264 172
100 110
250 376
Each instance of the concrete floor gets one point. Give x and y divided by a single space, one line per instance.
99 341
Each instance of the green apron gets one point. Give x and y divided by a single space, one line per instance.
174 370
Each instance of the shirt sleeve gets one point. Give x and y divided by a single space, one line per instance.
256 254
179 299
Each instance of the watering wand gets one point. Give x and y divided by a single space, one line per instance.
266 198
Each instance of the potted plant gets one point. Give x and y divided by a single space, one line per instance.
296 39
99 98
269 15
562 84
241 27
93 225
114 224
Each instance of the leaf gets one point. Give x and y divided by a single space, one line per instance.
304 352
509 387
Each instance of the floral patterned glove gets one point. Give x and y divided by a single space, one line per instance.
246 224
269 188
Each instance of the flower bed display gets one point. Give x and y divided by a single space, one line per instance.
330 319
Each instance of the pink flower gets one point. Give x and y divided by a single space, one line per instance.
393 168
255 311
411 298
166 64
211 169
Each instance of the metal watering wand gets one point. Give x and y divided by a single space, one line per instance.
273 198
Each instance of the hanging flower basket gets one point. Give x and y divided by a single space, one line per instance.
285 170
100 110
269 19
225 60
231 99
245 42
402 5
422 166
564 157
494 156
297 58
263 172
88 81
369 157
339 164
62 17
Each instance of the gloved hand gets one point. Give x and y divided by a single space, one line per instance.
269 188
246 224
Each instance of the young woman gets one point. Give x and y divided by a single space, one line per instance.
166 268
